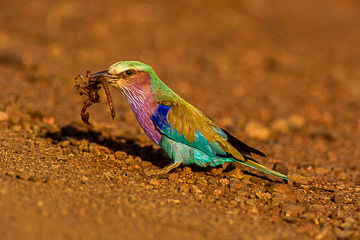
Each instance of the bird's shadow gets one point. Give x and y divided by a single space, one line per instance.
157 157
147 153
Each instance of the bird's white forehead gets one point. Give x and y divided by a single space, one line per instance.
122 66
118 69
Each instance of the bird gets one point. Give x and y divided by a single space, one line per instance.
186 134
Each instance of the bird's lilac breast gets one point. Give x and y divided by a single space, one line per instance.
143 103
142 114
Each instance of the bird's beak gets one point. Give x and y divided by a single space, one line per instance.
103 75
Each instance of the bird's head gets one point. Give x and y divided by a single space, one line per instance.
127 74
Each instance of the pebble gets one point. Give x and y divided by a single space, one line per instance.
202 181
84 146
65 144
217 192
282 193
34 179
154 182
194 189
296 121
337 214
357 180
120 155
249 202
308 216
257 130
224 181
348 224
343 235
293 210
263 196
215 171
108 175
3 116
129 160
281 168
186 170
184 188
338 198
237 174
84 180
298 178
280 125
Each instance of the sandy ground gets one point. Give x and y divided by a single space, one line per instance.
283 77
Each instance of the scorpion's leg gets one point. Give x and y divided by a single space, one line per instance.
84 113
109 98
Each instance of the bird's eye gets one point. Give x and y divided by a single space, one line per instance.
129 72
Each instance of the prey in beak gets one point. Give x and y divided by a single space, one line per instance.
91 85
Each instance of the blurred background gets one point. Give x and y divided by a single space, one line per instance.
282 75
251 58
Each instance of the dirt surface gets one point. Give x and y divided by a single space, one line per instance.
283 77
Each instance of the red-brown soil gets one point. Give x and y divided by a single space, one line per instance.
283 76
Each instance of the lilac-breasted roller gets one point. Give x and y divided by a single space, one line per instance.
183 131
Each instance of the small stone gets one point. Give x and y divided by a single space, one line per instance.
120 155
263 196
137 160
217 192
40 203
250 202
338 198
84 180
298 178
282 193
224 181
65 144
3 116
348 224
129 160
154 182
343 235
84 145
293 210
257 180
226 122
237 174
195 190
257 130
281 168
215 171
10 173
108 175
184 188
191 181
280 125
34 179
289 219
357 180
173 176
186 170
202 181
296 121
308 216
337 214
235 186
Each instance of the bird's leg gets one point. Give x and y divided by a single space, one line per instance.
165 170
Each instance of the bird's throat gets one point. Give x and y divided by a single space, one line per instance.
143 104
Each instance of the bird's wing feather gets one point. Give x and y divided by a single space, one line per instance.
184 123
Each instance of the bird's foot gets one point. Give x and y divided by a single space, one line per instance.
163 171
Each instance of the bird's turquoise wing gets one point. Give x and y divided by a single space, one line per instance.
190 137
185 124
200 142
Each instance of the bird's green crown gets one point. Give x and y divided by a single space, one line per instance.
122 66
